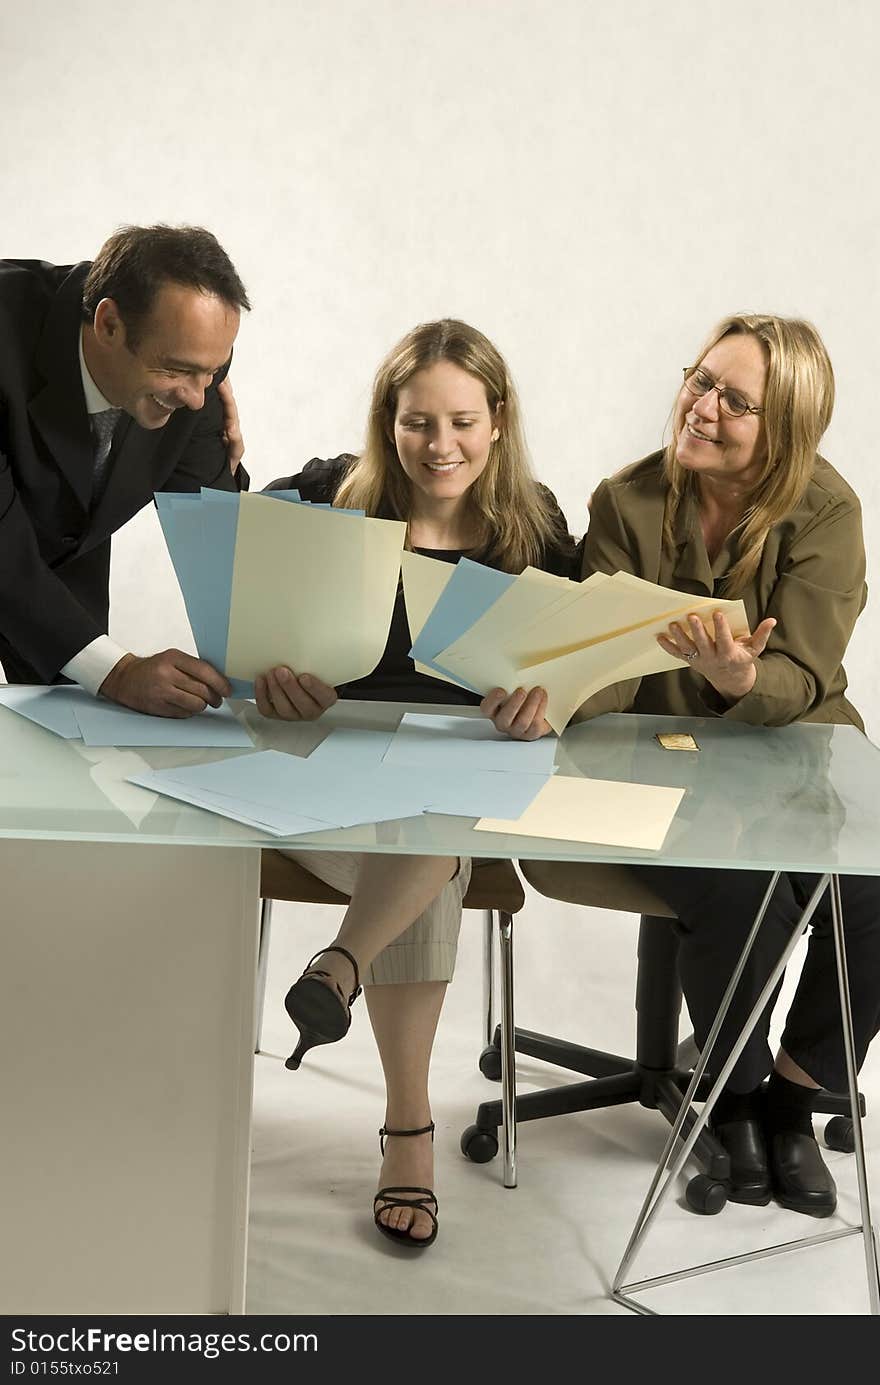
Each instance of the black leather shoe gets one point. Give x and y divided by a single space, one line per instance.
749 1168
801 1179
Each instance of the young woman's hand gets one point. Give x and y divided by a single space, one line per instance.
520 715
285 696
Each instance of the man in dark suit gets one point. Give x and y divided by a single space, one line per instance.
110 389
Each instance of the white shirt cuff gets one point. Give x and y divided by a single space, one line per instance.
91 665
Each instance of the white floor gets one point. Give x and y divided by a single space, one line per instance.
551 1245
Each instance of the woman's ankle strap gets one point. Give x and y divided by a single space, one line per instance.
384 1133
344 952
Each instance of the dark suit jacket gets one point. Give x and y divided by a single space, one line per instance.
54 547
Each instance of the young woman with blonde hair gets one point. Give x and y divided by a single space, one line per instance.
445 452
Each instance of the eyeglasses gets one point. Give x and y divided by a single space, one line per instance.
699 382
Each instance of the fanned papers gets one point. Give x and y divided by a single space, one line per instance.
313 587
423 581
471 591
265 583
572 638
600 811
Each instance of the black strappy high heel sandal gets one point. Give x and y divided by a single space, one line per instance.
388 1197
320 1013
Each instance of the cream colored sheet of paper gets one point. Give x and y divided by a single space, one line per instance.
480 652
424 580
595 810
621 603
573 677
311 589
534 642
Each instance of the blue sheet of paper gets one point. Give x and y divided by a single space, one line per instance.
349 748
280 784
278 824
466 743
200 532
51 707
292 495
467 795
359 758
181 519
106 723
467 596
213 586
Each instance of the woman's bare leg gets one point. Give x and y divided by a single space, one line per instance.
390 893
404 1019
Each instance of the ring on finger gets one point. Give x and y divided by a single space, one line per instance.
693 654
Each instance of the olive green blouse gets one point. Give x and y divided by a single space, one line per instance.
811 577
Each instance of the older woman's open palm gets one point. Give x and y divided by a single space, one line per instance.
725 660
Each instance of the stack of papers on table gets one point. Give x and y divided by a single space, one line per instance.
484 629
266 583
356 777
437 764
73 713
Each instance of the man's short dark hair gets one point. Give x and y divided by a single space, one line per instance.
136 261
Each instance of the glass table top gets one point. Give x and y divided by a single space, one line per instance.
804 797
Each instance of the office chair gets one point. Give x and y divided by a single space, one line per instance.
659 1074
495 888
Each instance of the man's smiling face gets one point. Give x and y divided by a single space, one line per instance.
171 360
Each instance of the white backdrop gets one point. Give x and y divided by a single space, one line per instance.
592 184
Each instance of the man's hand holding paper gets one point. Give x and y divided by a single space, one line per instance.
170 684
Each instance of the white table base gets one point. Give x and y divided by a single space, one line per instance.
126 1034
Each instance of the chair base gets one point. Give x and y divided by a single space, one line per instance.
615 1081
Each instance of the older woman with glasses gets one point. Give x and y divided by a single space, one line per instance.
741 504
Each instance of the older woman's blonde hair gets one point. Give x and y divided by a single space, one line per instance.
511 515
797 407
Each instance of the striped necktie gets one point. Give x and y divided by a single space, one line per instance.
103 425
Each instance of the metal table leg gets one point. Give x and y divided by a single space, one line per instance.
262 969
508 1051
651 1205
489 978
853 1087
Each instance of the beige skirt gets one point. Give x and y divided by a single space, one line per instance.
423 952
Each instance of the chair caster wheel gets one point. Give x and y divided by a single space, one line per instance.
490 1063
479 1145
706 1195
839 1134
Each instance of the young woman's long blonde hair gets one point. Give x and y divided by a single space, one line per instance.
798 402
512 518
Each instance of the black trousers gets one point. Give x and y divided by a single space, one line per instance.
716 909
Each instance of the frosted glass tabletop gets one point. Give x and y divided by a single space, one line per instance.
803 797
